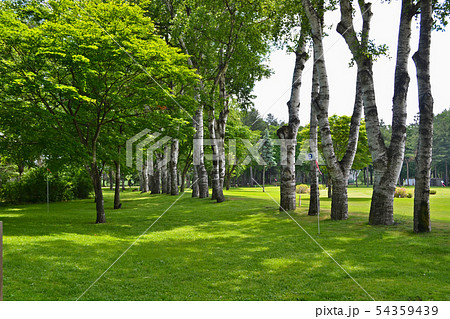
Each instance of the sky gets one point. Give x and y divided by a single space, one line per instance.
273 93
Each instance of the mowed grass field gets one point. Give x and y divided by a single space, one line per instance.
242 249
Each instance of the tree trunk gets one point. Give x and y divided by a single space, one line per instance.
167 150
173 167
227 181
407 172
111 180
217 190
195 180
185 171
156 180
220 135
97 182
387 162
251 176
339 169
367 176
199 158
339 200
117 203
314 199
289 133
330 187
144 177
165 176
228 177
424 152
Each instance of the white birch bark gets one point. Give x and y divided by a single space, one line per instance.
289 132
173 167
424 153
387 162
339 169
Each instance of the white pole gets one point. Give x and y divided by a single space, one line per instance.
318 221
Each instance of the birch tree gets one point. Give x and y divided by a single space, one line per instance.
314 194
387 161
424 152
339 169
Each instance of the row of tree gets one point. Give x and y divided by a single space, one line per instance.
79 78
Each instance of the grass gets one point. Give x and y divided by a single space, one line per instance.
242 249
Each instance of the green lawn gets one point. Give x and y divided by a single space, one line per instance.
242 249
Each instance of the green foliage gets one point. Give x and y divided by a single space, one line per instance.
32 187
87 67
302 189
267 150
81 184
340 130
441 140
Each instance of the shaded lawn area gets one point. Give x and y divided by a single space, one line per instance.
242 249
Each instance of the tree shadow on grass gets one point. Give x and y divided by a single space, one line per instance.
203 251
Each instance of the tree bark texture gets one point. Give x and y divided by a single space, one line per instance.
338 169
200 166
156 180
314 199
387 162
289 132
164 171
111 179
217 191
424 153
97 182
173 167
168 151
117 203
144 177
195 191
220 127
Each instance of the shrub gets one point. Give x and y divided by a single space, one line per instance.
82 184
401 192
302 189
32 187
322 187
433 192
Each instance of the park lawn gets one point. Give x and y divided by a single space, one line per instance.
242 249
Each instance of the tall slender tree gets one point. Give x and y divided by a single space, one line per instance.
339 169
424 152
288 133
314 195
387 161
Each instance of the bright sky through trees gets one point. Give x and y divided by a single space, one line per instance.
272 94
